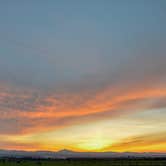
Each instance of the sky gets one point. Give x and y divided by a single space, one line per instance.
83 75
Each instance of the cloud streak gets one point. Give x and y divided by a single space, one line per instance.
142 143
32 111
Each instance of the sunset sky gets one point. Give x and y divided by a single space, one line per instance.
83 75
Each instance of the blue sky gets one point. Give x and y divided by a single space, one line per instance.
59 40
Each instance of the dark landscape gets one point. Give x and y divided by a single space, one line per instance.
71 158
84 162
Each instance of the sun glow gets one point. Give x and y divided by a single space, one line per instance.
94 145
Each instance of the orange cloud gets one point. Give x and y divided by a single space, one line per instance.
155 142
31 111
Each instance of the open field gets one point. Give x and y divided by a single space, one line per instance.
85 162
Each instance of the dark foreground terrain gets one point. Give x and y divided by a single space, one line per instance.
84 162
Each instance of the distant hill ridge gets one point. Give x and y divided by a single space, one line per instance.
64 154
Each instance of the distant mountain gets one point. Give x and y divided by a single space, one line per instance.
64 154
65 151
